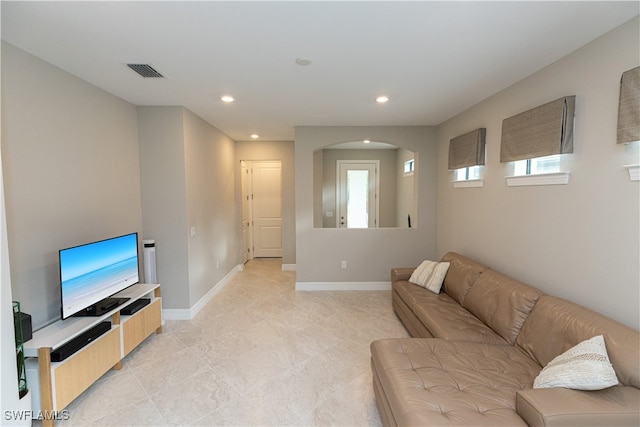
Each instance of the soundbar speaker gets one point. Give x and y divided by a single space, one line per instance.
66 350
135 306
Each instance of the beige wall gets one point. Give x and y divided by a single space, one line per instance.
272 150
578 241
71 173
370 253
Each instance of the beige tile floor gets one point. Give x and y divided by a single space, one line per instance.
259 353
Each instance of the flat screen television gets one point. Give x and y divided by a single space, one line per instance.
92 273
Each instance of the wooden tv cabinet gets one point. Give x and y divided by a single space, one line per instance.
59 383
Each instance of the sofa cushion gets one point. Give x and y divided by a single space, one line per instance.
438 382
614 406
439 316
555 325
585 366
450 321
501 302
412 295
461 275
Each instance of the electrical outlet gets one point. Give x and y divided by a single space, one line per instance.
344 264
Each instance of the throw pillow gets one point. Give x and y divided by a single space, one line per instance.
430 275
583 367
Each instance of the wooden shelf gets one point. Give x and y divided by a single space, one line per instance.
59 383
62 331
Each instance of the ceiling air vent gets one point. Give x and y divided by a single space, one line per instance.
145 70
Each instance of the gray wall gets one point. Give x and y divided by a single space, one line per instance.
370 253
578 241
71 173
164 198
272 150
187 181
211 208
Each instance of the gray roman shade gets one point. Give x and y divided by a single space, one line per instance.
629 107
542 131
467 150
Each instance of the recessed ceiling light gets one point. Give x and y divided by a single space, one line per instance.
382 99
255 136
366 141
227 98
303 62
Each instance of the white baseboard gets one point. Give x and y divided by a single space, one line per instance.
288 267
190 313
176 314
343 286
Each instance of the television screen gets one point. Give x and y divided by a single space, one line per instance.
91 273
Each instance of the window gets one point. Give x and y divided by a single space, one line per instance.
538 171
466 174
466 158
408 167
469 177
547 164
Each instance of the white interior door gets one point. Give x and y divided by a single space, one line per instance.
267 209
357 193
246 211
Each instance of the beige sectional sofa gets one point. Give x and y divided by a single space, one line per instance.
478 346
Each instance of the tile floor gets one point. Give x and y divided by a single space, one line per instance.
259 353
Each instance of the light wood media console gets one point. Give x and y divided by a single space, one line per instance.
59 383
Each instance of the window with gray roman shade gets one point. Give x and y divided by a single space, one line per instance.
467 150
542 131
629 107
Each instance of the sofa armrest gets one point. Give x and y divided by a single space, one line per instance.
619 406
402 273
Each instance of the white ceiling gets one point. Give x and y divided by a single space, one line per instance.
433 59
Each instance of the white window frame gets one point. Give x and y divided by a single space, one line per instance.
532 172
409 167
469 177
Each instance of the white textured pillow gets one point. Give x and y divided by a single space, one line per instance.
583 367
430 275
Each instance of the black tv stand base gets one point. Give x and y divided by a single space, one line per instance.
101 308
